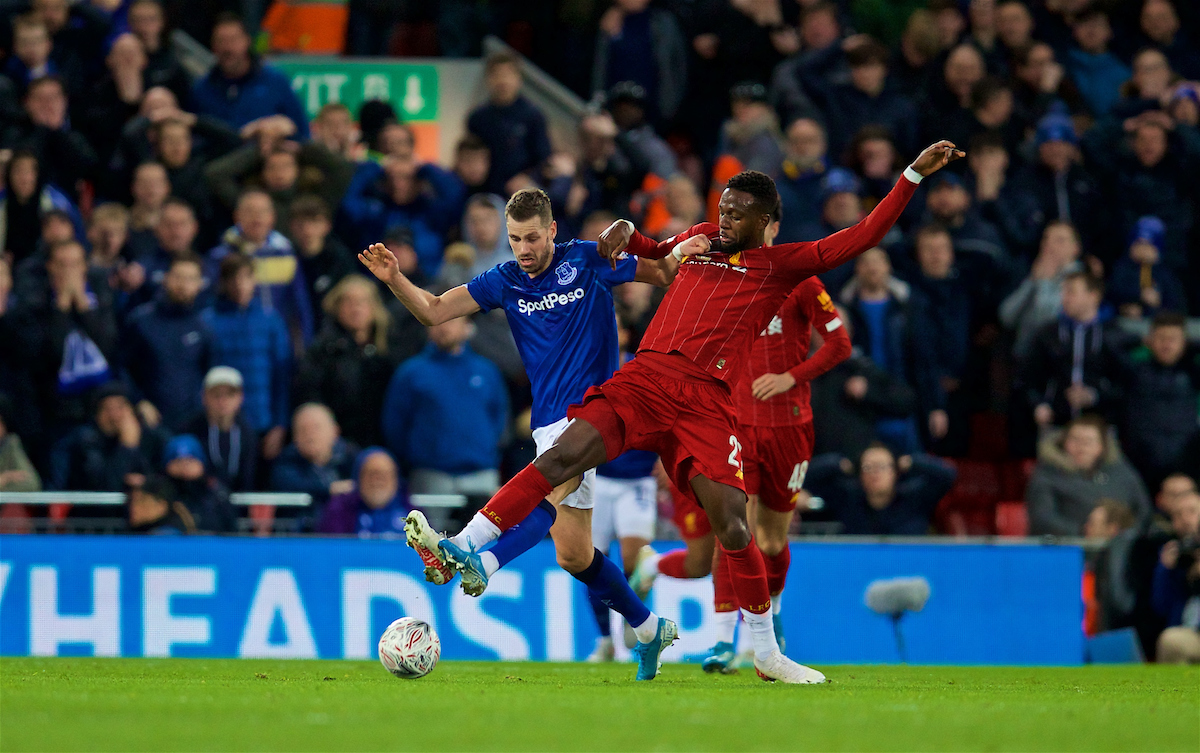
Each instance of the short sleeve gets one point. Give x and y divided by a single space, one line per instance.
488 289
626 265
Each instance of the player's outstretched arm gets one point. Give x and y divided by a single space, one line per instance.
847 244
429 309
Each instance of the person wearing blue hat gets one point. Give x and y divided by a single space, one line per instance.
841 207
1141 284
1057 187
204 496
376 506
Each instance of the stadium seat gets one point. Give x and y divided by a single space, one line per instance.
969 509
989 436
1012 519
262 519
15 519
1014 477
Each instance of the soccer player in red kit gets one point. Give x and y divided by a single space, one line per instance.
775 416
675 398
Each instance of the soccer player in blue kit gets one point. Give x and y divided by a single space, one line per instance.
558 300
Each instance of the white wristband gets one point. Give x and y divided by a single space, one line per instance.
677 253
913 175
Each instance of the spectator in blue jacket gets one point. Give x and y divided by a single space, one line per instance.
877 305
799 179
255 342
1096 71
1141 284
402 192
445 413
241 88
230 442
1176 584
168 348
511 126
281 284
940 317
174 237
318 462
1161 400
887 497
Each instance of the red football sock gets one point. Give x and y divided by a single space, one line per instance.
517 498
777 568
749 576
724 599
671 564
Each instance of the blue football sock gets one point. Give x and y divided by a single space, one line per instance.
524 535
604 579
601 611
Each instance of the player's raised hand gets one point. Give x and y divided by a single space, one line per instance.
614 239
380 261
937 156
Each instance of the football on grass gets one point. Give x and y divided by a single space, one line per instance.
409 648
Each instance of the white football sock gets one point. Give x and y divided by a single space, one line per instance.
651 563
763 633
776 603
479 532
647 630
726 625
490 563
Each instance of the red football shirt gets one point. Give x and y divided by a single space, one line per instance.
720 302
783 347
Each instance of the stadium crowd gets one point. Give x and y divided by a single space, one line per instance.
182 311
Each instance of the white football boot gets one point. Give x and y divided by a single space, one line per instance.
422 538
778 667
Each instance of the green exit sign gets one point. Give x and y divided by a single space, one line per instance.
411 88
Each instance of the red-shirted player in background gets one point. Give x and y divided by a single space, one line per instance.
675 398
775 416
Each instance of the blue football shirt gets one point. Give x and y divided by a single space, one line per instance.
562 321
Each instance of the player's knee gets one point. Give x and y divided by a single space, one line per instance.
574 559
553 464
732 532
770 542
697 567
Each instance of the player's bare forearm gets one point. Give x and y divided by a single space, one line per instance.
419 302
429 309
658 272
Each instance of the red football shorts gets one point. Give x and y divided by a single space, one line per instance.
689 516
689 422
776 460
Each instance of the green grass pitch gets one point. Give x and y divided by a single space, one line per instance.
200 704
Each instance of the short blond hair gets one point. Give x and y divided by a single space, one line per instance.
110 211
